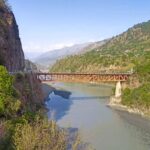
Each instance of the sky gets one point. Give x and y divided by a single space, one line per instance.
45 25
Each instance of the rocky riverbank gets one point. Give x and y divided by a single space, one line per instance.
47 89
115 102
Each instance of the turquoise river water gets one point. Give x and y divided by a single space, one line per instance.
84 107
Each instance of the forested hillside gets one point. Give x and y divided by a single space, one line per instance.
122 52
129 50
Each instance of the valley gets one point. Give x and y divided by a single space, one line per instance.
125 52
85 96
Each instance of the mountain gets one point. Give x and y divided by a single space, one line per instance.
49 58
11 53
93 45
120 53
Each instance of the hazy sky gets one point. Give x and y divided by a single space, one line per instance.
49 24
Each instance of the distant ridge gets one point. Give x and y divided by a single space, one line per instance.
48 59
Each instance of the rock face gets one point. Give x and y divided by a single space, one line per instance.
30 66
30 91
11 53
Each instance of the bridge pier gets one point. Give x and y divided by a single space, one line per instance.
118 90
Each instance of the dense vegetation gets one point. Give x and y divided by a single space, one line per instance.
21 121
129 50
9 101
23 124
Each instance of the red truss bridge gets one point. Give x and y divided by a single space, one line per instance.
83 77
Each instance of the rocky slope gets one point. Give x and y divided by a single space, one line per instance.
11 53
30 66
30 91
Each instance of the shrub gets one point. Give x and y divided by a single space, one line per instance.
5 87
9 105
138 97
39 135
19 76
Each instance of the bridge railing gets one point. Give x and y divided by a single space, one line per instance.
115 73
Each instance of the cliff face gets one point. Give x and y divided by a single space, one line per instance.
11 53
30 66
12 57
30 91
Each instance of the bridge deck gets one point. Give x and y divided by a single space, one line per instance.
42 73
83 77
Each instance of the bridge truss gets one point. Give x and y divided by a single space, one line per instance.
76 77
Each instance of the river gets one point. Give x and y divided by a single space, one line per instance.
83 107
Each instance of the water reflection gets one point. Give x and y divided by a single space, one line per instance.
62 93
89 98
58 104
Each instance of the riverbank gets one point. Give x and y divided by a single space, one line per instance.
115 103
47 89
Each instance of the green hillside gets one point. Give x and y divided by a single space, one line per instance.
119 53
129 50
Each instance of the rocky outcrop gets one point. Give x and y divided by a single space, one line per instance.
30 66
29 90
11 53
